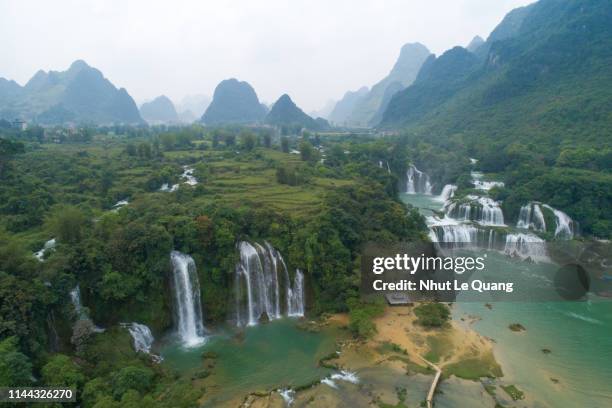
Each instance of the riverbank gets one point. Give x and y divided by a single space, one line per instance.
389 370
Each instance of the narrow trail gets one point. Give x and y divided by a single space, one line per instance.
434 383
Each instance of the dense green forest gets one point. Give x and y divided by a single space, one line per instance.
64 183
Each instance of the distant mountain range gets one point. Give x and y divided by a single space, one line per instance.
286 112
325 111
365 108
159 110
79 95
234 102
345 106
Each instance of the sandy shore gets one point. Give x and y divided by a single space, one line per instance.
455 342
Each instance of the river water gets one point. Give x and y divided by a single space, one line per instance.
577 370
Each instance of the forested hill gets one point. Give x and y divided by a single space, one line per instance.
534 104
159 110
79 95
286 112
234 102
547 77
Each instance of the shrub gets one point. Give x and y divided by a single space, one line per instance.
432 314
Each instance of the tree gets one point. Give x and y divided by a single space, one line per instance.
15 367
205 228
248 141
307 152
432 314
63 372
144 150
285 144
130 149
131 378
230 139
67 223
8 149
267 139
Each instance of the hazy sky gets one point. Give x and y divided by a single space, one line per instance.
314 50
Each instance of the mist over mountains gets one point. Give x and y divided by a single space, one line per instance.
159 110
403 74
285 112
531 64
234 102
79 94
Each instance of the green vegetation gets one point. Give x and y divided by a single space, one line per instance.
513 392
361 315
439 347
58 184
432 314
474 368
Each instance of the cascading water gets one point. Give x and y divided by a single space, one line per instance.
75 297
188 176
447 193
525 246
142 336
167 188
463 235
49 245
531 217
295 296
483 210
480 184
80 311
487 185
288 395
120 204
262 282
566 227
417 181
187 299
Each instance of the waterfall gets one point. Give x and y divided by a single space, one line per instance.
49 245
119 204
417 182
480 184
167 188
487 185
75 297
463 235
262 282
531 217
483 210
187 299
295 295
288 395
525 246
188 176
565 227
81 312
447 193
142 336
